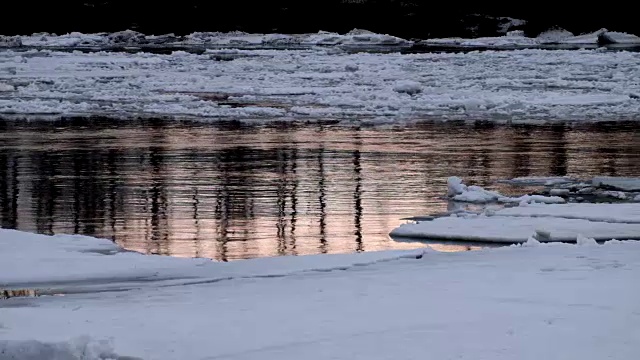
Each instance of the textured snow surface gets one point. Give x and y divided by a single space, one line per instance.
519 86
488 304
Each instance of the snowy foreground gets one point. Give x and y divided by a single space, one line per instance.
322 83
555 301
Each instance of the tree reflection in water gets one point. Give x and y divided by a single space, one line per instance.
232 191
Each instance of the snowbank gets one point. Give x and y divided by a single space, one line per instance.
437 303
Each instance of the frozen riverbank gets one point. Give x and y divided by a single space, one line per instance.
499 303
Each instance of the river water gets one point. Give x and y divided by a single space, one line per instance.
231 191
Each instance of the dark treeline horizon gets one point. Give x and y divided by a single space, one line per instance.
404 18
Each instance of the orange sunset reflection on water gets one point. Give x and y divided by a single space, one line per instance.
230 191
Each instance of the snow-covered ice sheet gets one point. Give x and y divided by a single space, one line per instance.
612 213
518 86
515 229
80 263
494 304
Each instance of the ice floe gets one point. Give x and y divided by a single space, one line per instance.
549 218
613 213
617 183
599 187
458 191
515 229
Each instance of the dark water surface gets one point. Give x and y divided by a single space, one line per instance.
230 191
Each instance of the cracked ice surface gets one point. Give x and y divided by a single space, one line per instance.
519 86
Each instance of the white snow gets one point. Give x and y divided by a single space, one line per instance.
515 229
489 304
617 183
517 86
457 191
